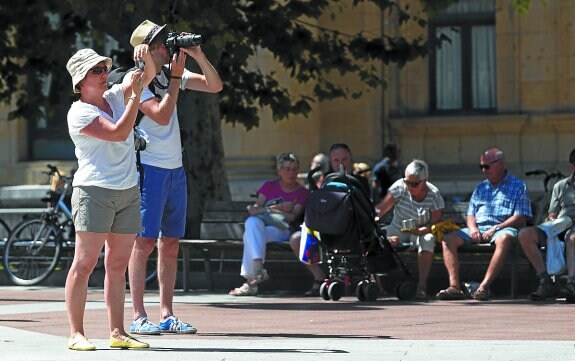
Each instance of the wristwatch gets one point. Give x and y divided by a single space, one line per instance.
497 228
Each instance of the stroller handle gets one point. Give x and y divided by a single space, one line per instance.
310 176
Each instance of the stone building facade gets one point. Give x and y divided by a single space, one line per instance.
510 85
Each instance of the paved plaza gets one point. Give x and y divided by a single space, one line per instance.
33 326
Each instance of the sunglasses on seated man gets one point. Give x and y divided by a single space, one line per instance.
488 166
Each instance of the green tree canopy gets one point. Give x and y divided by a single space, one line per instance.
236 31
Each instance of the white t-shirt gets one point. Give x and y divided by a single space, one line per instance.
164 148
102 163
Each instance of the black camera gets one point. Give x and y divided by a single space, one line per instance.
140 64
177 40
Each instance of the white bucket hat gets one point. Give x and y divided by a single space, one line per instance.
81 62
145 33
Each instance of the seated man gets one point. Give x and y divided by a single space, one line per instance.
562 205
499 206
414 198
340 154
320 163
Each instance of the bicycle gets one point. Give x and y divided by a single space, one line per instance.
34 247
4 231
541 204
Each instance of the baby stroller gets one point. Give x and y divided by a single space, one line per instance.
353 244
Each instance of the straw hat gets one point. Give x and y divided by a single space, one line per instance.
81 62
361 168
145 33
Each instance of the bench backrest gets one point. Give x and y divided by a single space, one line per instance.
456 211
224 220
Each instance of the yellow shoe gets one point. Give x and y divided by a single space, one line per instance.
80 343
127 342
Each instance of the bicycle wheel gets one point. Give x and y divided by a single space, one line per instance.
4 231
32 252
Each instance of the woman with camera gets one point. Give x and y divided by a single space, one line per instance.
106 199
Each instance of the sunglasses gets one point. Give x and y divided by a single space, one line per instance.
97 70
412 183
488 166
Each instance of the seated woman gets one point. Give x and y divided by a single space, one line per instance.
415 200
278 206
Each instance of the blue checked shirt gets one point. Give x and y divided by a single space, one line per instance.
493 205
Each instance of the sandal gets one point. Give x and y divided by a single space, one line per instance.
126 342
245 290
314 290
450 293
481 294
80 343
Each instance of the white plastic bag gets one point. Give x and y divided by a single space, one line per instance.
555 261
556 226
555 256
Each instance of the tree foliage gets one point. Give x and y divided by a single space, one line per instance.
237 30
40 36
523 5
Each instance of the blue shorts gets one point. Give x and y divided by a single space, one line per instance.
164 202
464 233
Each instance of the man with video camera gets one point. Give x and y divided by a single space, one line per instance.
163 188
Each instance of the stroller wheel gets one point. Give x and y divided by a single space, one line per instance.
335 290
370 291
323 291
406 290
367 291
359 292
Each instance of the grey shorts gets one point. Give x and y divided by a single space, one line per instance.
102 210
425 242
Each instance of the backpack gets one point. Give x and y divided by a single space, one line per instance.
116 76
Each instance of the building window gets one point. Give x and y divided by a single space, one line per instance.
462 67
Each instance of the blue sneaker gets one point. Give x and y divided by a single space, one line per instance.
173 325
143 326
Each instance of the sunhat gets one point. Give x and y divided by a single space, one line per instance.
145 33
81 62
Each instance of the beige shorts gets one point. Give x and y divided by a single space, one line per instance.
425 242
102 210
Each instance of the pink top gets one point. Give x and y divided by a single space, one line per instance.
272 190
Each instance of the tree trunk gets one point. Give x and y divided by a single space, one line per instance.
200 123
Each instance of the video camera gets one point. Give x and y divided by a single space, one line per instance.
176 40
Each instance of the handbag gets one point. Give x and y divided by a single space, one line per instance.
274 219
